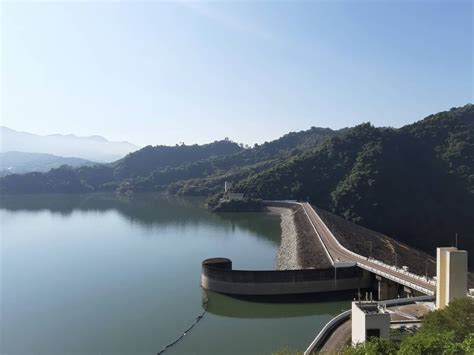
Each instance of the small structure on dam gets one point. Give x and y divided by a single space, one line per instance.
369 319
217 275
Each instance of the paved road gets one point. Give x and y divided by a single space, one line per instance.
339 254
338 339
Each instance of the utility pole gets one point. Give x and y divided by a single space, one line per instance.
370 255
456 239
426 269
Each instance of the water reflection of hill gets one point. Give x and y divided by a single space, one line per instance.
149 210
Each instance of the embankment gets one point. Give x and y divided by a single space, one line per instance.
299 248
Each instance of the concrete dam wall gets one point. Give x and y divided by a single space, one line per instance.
217 275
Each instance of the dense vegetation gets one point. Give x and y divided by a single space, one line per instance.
448 331
129 171
415 183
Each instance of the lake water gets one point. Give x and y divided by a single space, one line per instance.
99 274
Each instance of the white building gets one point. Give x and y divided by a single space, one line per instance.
451 275
369 320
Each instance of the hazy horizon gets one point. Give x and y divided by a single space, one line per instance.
92 136
195 72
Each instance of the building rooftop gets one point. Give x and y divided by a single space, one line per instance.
370 307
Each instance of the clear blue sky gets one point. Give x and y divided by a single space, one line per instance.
165 72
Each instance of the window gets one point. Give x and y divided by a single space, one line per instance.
372 333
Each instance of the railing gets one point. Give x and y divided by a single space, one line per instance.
381 263
375 261
370 260
426 279
397 279
325 332
317 233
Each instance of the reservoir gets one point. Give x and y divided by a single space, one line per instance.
101 274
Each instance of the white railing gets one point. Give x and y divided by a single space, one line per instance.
396 279
317 233
426 279
374 261
324 333
370 260
381 263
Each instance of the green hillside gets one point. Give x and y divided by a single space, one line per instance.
415 183
108 177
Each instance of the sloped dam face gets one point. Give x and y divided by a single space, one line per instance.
88 274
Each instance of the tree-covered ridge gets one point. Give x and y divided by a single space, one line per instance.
146 160
451 135
108 177
184 169
415 183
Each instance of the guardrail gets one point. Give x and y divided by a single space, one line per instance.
381 263
396 279
426 279
322 336
370 260
317 233
375 261
325 332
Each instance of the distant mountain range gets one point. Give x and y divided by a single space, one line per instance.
94 148
21 162
415 183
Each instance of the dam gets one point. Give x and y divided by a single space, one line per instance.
349 273
217 275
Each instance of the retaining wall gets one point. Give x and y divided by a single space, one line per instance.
217 275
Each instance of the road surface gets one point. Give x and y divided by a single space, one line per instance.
337 253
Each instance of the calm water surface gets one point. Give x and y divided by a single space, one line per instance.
98 274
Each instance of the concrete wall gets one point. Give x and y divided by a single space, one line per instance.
451 273
441 276
357 324
217 275
386 289
456 275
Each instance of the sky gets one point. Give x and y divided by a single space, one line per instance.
157 72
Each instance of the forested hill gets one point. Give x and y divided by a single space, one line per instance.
415 183
108 177
171 168
144 161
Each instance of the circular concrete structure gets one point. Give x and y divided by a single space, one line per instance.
217 275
